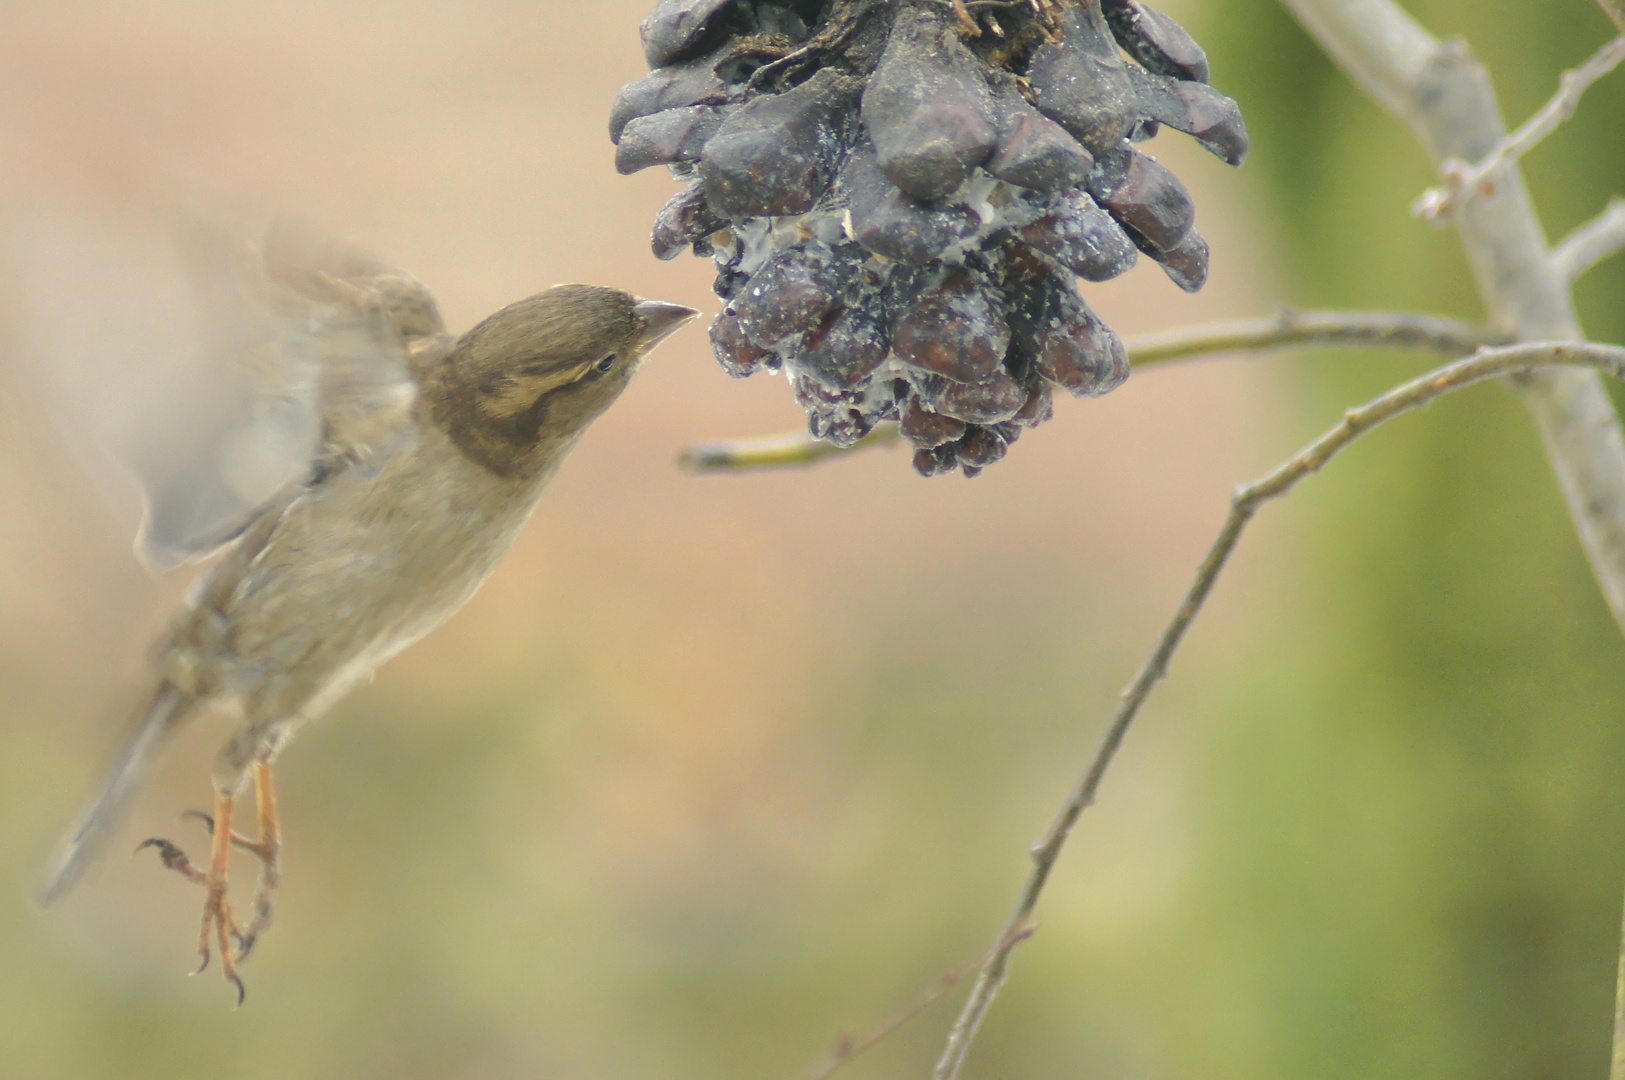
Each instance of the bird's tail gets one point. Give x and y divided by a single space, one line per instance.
169 707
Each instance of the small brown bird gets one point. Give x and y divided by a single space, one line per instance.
420 458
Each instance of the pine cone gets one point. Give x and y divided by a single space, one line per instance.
900 196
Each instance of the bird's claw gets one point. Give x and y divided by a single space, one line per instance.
232 977
220 929
174 859
220 925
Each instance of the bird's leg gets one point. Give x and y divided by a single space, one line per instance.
217 918
268 849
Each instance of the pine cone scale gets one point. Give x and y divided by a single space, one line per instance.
899 214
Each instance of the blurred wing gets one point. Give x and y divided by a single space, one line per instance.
307 343
367 318
242 425
218 371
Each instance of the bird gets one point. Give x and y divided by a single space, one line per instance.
363 475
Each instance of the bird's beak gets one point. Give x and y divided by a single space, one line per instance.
659 320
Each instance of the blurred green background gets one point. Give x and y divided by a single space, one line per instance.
718 768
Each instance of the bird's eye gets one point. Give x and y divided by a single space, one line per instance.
605 365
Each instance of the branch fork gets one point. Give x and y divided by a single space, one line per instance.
1464 181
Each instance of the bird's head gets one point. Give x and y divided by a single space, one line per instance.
537 373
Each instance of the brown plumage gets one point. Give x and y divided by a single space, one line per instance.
426 455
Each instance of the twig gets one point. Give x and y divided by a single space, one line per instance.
1391 329
1591 243
1447 99
793 448
1377 328
1463 181
847 1048
1244 503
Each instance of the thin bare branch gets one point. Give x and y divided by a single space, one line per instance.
848 1047
1463 182
1446 97
1400 330
1244 503
789 450
1591 243
1288 329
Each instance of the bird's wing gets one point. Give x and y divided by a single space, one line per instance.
308 344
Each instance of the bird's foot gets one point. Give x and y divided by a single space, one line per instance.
220 924
266 851
175 859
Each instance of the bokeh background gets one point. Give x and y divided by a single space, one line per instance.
716 768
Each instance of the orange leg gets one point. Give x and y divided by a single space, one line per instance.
268 848
217 918
218 921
